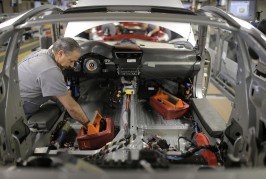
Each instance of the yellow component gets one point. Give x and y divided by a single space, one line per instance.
129 91
47 26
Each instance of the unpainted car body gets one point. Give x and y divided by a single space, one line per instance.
144 140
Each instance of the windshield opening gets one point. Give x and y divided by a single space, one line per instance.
116 31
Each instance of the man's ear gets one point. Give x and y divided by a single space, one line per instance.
60 52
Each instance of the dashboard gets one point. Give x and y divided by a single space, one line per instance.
127 58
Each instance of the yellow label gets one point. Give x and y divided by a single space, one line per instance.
129 91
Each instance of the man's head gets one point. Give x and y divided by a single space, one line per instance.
262 26
66 51
144 26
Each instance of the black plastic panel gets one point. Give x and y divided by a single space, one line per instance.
169 63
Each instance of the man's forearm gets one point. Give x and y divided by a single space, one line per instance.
73 109
78 114
155 30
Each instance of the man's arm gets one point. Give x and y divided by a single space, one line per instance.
155 30
73 108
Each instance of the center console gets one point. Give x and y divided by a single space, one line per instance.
128 60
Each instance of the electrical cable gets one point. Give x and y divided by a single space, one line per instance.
193 151
178 140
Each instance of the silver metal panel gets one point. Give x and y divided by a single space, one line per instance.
166 3
152 123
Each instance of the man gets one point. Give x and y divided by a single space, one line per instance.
108 29
150 29
262 28
218 3
41 78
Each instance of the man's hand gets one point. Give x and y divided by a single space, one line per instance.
86 127
149 34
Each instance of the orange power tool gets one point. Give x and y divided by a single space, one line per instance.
202 140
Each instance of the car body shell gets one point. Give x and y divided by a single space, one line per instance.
244 135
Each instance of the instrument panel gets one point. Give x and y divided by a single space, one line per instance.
99 59
120 61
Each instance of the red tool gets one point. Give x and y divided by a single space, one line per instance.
208 155
95 137
169 106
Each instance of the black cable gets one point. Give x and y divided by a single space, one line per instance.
193 67
193 151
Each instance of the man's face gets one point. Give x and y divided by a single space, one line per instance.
67 60
144 26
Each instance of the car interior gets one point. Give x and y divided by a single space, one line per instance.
145 97
138 94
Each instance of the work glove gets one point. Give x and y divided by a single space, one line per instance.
86 127
149 34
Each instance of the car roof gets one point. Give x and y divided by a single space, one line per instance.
164 3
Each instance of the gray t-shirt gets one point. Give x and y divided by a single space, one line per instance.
39 79
109 29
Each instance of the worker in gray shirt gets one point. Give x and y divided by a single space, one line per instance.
150 29
108 29
41 78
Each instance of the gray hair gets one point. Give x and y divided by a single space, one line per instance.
66 44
